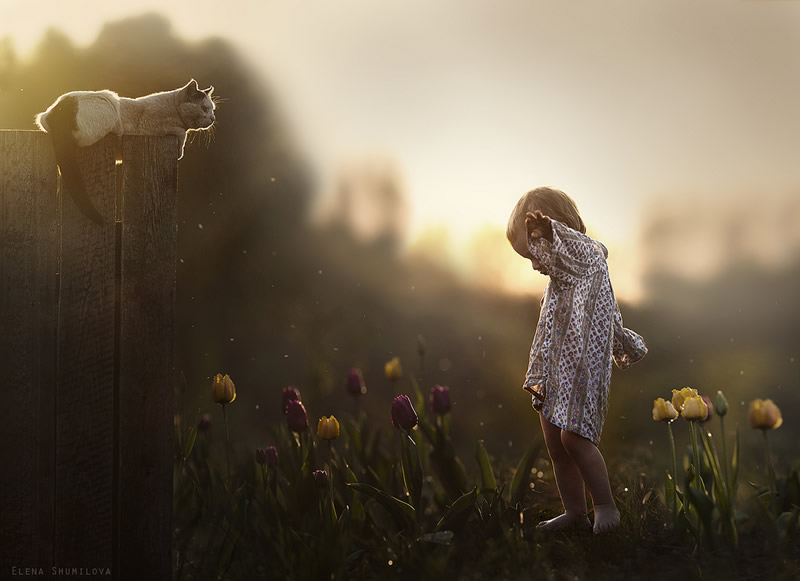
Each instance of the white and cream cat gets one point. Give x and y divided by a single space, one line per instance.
82 118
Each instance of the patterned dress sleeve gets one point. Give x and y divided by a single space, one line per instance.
629 347
570 257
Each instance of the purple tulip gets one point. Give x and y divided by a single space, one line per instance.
440 399
289 394
403 414
709 407
320 478
261 456
203 421
355 383
296 416
272 456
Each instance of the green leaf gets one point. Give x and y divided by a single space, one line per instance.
358 509
735 464
420 399
344 520
402 512
458 512
487 474
190 442
353 435
720 493
412 471
522 475
702 502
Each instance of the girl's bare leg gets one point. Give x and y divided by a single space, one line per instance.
568 480
592 467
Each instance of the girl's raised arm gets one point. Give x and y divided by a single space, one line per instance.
569 256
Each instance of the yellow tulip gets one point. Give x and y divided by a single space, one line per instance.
664 411
695 409
328 428
679 396
393 369
764 415
224 391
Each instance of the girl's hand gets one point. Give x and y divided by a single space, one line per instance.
538 226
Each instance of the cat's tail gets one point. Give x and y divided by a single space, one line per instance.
60 122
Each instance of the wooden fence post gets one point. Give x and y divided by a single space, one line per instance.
86 351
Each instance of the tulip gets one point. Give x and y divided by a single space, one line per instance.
261 456
296 416
320 478
393 369
272 456
680 396
403 414
289 394
328 428
663 411
695 409
764 415
709 409
720 404
223 390
355 383
440 399
204 421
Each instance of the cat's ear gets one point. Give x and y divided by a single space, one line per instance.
191 90
209 92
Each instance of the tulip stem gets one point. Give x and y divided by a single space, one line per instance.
227 444
697 463
770 467
725 459
330 479
674 474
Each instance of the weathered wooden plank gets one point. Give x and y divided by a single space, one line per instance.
28 287
149 197
85 383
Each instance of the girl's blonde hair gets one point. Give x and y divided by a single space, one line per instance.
550 202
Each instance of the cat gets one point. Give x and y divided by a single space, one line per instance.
82 118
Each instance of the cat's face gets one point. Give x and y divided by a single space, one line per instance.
196 107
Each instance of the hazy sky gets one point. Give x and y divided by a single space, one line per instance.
478 101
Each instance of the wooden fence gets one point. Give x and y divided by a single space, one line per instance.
86 357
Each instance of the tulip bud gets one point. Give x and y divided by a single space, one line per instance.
664 411
694 409
203 421
680 396
764 415
393 369
721 404
355 383
272 456
403 414
223 390
289 394
440 399
328 428
296 416
320 478
261 456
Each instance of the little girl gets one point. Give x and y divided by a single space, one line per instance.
578 335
